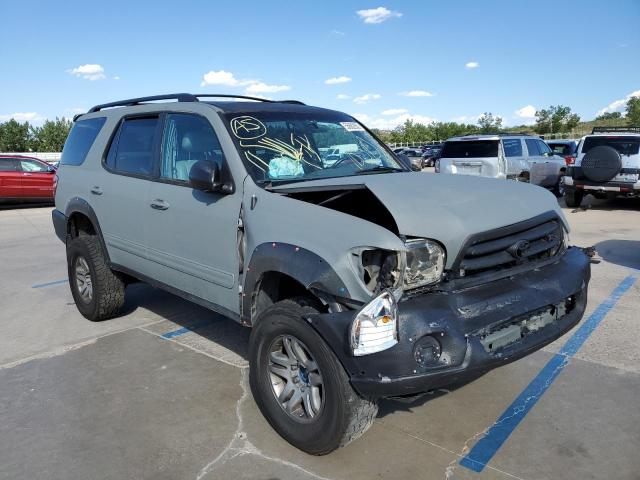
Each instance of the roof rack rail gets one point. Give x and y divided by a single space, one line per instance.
183 97
619 129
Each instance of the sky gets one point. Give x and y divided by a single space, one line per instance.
381 61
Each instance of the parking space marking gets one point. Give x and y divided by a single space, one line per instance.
50 284
176 333
484 450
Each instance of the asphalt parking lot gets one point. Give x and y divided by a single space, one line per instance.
161 392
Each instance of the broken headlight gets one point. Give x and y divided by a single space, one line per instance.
375 328
424 263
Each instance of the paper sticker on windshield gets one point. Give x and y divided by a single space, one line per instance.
352 127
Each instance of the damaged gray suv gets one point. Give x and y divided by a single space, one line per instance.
359 279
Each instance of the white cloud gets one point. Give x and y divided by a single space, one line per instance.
618 105
342 96
116 77
377 15
528 112
471 65
228 79
337 33
261 87
385 123
416 93
394 111
466 119
337 80
367 97
31 117
89 71
222 77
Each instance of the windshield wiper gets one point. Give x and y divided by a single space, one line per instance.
378 169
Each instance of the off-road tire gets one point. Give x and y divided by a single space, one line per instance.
573 198
344 416
108 286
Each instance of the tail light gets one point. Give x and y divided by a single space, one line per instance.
55 184
569 159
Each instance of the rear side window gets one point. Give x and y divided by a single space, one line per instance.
470 149
512 147
132 149
81 137
624 145
532 147
33 166
8 165
562 148
543 147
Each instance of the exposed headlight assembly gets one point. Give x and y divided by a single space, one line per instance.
424 263
375 328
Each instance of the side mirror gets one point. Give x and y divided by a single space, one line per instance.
51 169
205 176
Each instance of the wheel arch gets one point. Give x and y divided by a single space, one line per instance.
82 218
277 271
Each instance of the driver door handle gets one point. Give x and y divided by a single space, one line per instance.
159 204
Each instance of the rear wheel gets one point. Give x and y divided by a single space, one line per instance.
573 197
97 291
559 189
300 386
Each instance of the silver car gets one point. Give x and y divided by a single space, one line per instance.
510 156
352 288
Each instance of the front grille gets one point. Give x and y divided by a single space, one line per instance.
507 247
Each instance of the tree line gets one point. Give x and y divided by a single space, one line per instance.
51 135
24 137
554 119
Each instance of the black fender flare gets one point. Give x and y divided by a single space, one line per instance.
304 266
80 205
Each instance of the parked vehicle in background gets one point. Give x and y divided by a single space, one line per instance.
415 157
607 165
519 157
354 288
26 179
566 149
430 154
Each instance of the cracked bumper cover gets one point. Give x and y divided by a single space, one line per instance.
459 320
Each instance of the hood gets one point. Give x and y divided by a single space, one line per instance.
447 208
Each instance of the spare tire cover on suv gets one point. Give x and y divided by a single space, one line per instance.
601 164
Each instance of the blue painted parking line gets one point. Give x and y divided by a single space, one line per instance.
49 284
176 333
484 450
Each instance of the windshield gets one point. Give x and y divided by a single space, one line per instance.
624 145
470 149
288 146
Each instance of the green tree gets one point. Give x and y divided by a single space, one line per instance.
556 119
15 136
488 123
609 116
50 137
633 111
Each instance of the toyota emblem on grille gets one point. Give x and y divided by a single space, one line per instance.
519 249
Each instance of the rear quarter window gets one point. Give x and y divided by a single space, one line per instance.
624 145
470 149
80 139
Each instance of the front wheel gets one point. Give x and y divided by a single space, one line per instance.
300 386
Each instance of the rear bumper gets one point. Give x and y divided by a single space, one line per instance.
59 224
461 321
575 179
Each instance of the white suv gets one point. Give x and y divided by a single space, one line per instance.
607 165
515 156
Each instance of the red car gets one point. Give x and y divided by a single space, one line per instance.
26 179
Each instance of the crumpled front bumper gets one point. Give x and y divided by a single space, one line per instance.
460 321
